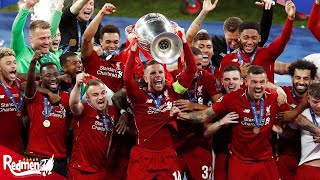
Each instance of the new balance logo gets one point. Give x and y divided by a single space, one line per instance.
149 101
246 110
1 96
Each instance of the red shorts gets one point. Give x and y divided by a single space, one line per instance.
258 170
287 166
149 164
197 162
221 166
306 172
77 174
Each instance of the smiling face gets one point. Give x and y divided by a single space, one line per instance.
232 39
96 96
256 85
110 42
301 80
249 40
50 77
86 11
231 81
56 41
40 39
8 68
206 48
73 66
155 78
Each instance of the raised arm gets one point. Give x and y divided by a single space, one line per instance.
278 45
75 104
266 20
17 43
77 6
314 20
88 35
31 85
186 77
196 24
56 17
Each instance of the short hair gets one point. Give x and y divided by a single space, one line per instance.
64 57
314 90
6 52
109 28
303 65
232 24
195 51
202 36
150 63
39 24
232 67
249 25
93 82
254 69
43 65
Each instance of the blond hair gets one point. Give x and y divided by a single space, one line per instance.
39 24
6 52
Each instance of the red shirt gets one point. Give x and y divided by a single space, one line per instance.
48 141
265 56
245 144
110 72
10 124
313 22
90 142
292 145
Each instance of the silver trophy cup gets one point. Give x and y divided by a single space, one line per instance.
156 35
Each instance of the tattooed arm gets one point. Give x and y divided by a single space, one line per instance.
198 116
307 125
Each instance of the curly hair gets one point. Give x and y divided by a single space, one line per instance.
303 65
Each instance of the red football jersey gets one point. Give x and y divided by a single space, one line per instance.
247 145
47 141
110 72
90 140
265 56
10 123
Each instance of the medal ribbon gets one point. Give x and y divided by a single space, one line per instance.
228 49
194 98
257 121
251 58
47 107
156 100
17 105
105 120
294 96
109 55
313 117
79 34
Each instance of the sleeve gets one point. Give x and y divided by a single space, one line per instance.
67 18
278 45
54 22
91 61
17 43
186 77
314 21
219 48
284 107
265 23
129 81
97 35
221 106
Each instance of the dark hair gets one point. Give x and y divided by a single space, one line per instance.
64 57
249 25
232 67
232 24
303 65
254 69
149 63
93 82
195 51
202 36
43 65
109 28
314 90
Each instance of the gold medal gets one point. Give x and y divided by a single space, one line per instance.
72 42
18 113
256 130
46 123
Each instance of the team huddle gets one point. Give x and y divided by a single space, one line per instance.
108 111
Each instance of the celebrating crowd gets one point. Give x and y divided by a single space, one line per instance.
103 111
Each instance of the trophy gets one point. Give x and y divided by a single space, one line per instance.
156 36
